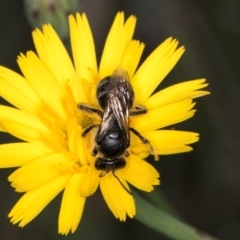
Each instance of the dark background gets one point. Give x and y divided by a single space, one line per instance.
203 185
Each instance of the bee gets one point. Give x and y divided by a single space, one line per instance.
115 96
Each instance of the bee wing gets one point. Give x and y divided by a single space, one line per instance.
107 121
115 110
120 111
119 98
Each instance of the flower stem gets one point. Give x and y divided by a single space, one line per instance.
158 220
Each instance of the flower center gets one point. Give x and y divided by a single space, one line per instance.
84 120
66 135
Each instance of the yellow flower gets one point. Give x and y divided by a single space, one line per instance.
54 156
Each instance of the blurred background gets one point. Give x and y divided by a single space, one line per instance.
203 185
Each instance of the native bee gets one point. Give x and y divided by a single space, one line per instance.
115 96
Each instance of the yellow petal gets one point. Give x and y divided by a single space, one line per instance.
163 116
90 182
82 46
132 57
140 174
71 207
177 92
116 44
21 117
171 141
76 144
21 131
84 57
16 90
18 154
33 202
52 52
119 201
43 82
74 138
37 172
155 68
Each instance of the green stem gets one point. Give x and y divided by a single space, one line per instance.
158 220
157 199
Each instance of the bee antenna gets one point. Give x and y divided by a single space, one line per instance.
113 172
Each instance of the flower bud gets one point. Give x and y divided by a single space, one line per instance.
55 12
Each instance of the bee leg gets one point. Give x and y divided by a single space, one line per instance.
102 174
138 110
126 154
88 129
128 142
94 151
145 141
113 172
90 109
